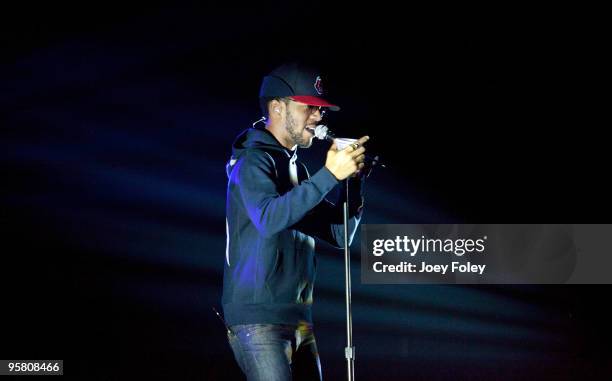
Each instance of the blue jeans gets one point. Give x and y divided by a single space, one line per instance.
272 352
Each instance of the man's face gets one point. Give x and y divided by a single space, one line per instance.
301 120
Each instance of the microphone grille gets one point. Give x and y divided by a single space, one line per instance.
320 131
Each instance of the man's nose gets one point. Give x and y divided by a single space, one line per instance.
317 116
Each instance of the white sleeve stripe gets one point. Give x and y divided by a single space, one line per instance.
227 242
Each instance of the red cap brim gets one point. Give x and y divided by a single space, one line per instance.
314 101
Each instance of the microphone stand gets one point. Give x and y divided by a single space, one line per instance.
349 351
323 133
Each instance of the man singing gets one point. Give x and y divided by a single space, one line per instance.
274 209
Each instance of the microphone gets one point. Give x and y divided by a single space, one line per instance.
323 133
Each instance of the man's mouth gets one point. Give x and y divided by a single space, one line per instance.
310 129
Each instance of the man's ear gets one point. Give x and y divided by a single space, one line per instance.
276 108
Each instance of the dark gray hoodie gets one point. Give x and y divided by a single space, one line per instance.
270 260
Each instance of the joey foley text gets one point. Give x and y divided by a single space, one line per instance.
433 247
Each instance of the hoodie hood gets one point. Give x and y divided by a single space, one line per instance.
254 138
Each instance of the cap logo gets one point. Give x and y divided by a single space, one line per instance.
318 86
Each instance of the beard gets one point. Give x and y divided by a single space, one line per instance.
296 134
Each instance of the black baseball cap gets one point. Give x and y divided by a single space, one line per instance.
301 83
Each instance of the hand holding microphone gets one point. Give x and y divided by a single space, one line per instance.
348 161
322 132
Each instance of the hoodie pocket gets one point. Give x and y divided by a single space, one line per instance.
284 280
275 266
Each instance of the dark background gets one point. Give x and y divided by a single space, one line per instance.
117 121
